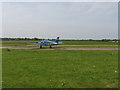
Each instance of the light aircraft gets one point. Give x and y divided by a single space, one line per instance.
48 43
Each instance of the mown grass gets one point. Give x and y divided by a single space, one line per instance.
59 69
89 43
66 44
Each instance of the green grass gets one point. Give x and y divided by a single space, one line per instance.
89 43
66 44
60 69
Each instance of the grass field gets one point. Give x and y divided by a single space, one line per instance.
60 68
66 44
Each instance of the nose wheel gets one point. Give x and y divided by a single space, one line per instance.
50 46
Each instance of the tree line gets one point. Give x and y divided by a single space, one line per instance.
61 39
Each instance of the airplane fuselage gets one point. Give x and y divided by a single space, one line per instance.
47 43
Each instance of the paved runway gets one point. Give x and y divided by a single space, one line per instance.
62 48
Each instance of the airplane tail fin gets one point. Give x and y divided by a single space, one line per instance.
57 40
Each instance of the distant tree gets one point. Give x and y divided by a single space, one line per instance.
35 39
90 40
105 40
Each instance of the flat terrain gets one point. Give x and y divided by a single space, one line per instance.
66 44
35 68
60 67
62 48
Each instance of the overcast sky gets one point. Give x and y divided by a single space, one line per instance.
70 20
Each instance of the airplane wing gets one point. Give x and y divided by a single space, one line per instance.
47 41
38 44
60 43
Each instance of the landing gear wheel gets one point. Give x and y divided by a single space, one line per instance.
50 46
40 46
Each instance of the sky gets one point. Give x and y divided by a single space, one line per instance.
68 20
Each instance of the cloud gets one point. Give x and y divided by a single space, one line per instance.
68 20
0 19
60 1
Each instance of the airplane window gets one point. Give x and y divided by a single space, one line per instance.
42 41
